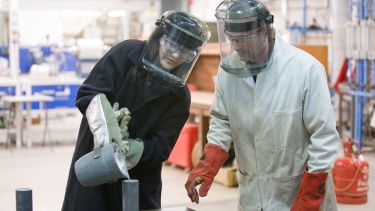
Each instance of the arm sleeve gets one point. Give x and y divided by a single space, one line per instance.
104 76
219 131
320 122
159 145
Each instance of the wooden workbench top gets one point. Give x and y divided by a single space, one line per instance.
202 98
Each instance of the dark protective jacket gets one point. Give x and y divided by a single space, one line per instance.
158 113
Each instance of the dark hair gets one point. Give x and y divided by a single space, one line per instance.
153 47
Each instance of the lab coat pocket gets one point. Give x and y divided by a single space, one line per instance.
247 185
288 128
284 191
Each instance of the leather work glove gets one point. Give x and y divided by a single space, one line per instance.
211 161
311 192
134 149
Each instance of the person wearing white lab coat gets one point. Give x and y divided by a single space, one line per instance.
272 102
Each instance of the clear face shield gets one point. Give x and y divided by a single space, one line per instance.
245 46
174 47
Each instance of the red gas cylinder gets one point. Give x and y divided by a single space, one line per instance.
350 146
347 148
350 176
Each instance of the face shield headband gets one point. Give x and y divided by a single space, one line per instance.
246 25
179 35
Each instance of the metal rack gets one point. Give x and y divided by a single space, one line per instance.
361 56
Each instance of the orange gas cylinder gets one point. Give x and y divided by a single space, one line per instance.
350 176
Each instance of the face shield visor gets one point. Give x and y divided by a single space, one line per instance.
245 40
174 47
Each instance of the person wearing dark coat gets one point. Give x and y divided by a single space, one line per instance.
148 79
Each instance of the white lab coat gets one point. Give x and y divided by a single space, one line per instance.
278 125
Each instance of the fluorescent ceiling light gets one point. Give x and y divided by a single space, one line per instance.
84 13
116 13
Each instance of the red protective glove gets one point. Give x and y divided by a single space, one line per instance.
311 192
212 159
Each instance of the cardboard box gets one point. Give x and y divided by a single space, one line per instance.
227 176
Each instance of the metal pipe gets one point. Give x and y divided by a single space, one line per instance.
130 195
360 9
365 77
356 101
364 37
340 30
350 8
304 20
359 93
364 9
357 44
24 199
357 130
355 119
349 40
14 54
359 104
349 70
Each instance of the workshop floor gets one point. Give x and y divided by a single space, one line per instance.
45 171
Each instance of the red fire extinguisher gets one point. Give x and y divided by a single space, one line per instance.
350 175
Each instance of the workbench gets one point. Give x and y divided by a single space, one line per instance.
16 103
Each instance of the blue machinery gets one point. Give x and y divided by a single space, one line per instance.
361 56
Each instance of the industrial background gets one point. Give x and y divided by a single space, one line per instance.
48 47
